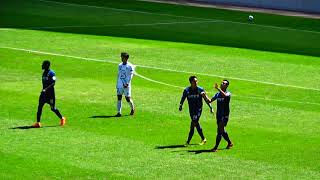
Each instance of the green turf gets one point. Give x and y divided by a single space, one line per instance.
275 127
229 28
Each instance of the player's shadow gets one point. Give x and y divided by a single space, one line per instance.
202 151
107 116
31 127
173 146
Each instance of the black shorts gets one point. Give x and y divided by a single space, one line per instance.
195 116
47 98
223 119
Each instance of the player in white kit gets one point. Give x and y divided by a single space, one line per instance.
125 74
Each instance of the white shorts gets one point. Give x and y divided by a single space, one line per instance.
125 91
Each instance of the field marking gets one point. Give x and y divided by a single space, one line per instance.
234 78
7 29
56 54
155 81
159 68
146 78
250 97
170 15
124 25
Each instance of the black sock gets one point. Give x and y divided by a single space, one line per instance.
57 112
199 129
226 137
39 116
218 139
40 106
190 134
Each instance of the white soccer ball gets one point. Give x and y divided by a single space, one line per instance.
250 18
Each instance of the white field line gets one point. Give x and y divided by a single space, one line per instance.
155 81
250 97
234 78
61 55
170 15
7 29
146 78
124 25
278 100
159 68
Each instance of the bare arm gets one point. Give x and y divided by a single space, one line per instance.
183 98
45 89
128 80
208 101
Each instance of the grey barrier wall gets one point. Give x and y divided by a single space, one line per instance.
309 6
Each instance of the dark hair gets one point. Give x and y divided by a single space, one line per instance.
124 54
191 78
227 81
46 62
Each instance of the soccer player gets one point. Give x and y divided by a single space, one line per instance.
125 74
194 95
223 110
47 94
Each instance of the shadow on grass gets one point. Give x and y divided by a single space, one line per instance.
106 116
31 127
173 146
203 151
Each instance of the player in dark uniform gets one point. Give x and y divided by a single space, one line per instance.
194 95
223 110
47 94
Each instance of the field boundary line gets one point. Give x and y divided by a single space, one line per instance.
122 25
159 68
250 97
171 15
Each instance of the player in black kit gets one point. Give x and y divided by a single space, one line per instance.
222 116
47 94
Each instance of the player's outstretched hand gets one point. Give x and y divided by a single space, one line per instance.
215 85
180 108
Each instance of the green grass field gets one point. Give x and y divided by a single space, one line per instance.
273 67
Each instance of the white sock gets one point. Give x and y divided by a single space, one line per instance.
131 104
119 106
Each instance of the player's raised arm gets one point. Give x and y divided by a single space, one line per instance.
224 94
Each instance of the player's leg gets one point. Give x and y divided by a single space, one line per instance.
191 132
119 102
196 119
225 134
39 112
200 132
129 99
220 130
52 104
119 105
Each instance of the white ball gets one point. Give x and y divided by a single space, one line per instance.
250 18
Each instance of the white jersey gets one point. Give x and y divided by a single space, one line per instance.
125 74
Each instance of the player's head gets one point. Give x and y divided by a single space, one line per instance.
193 81
45 64
224 84
124 57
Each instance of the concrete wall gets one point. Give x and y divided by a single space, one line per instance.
310 6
